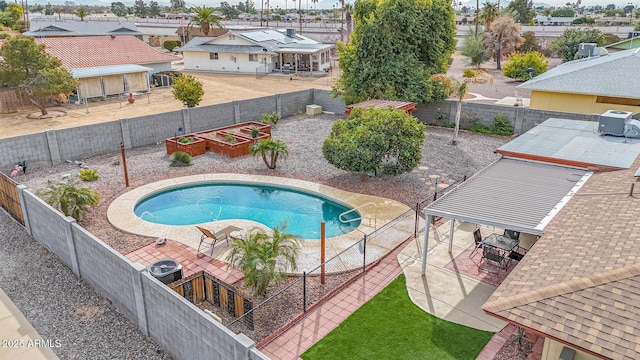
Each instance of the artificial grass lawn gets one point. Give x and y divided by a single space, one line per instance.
390 326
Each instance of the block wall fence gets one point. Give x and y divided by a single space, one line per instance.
178 326
54 146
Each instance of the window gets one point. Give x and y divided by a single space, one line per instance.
617 100
213 56
253 57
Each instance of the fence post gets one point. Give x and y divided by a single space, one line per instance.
23 206
138 294
304 292
364 252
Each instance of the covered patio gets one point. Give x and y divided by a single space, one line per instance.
509 194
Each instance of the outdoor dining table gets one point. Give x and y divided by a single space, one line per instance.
501 242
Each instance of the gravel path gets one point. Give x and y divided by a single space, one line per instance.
63 308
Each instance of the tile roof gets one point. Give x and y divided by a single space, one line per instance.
84 52
608 75
580 283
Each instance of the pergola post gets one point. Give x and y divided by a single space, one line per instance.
425 245
453 222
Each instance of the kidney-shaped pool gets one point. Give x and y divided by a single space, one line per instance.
269 205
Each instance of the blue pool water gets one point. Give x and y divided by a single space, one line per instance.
268 205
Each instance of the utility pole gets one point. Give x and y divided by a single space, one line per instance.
342 21
477 13
300 14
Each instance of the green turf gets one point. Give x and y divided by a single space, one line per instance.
390 326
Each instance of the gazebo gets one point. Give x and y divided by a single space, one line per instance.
408 107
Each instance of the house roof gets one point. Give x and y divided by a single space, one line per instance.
269 42
47 28
608 75
84 52
558 19
580 282
631 43
511 194
573 143
81 73
196 31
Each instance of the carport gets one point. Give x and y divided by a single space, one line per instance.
509 194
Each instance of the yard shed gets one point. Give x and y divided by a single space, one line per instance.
103 81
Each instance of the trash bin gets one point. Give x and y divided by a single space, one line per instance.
167 271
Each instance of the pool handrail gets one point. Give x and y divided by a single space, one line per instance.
375 215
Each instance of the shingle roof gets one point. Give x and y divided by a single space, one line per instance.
608 75
83 52
80 28
580 283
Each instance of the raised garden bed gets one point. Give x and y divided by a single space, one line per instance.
193 148
217 142
238 128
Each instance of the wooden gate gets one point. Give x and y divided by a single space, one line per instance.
9 199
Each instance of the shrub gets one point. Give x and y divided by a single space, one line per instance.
186 140
502 125
171 44
271 118
69 199
468 73
479 128
89 174
180 158
230 139
254 132
188 90
517 65
530 42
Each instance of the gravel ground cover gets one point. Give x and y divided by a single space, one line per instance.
62 307
88 321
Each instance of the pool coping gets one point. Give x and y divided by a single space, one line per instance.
121 215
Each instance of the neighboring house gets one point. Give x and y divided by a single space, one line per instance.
108 65
186 34
554 21
579 285
264 50
591 85
41 28
626 44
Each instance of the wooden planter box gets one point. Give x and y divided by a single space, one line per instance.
237 128
217 143
246 133
194 148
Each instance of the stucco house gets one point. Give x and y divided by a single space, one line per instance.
263 51
589 86
41 28
108 65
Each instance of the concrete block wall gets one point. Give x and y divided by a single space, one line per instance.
183 330
150 129
295 102
211 117
49 227
324 99
252 109
106 270
85 141
33 148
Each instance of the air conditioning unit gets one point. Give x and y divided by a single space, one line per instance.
612 122
632 129
587 49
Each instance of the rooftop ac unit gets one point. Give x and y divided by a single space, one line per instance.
587 49
632 129
613 122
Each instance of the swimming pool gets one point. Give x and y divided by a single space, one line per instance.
272 206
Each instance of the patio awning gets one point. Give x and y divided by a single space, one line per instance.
511 194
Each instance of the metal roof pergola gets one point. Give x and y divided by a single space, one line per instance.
509 194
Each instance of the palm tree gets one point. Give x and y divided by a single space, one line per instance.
270 151
264 259
205 18
81 13
453 87
348 9
489 13
69 199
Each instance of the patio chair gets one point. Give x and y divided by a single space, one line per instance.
512 234
514 255
211 238
477 238
493 255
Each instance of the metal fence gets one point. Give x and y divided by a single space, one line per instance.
275 314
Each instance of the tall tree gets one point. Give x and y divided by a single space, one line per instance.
504 37
489 13
205 18
140 8
154 9
524 10
395 46
348 10
177 4
566 45
26 65
119 9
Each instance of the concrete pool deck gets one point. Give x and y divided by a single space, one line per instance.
121 215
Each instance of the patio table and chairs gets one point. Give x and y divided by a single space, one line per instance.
499 249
